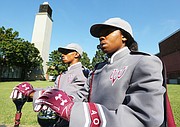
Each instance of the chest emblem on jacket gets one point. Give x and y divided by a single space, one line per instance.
117 74
70 78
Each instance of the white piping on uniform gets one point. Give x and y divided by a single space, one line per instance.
86 112
102 115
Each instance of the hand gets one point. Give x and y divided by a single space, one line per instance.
57 100
21 90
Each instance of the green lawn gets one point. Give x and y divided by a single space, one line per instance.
174 97
8 109
29 118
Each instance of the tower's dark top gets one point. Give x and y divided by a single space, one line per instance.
46 8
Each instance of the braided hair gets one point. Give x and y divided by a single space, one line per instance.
130 42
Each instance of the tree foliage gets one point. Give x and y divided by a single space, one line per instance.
16 51
85 60
8 35
99 57
55 64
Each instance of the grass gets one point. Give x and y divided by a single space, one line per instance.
8 110
29 118
173 93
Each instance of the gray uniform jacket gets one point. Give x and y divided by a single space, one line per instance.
127 91
72 82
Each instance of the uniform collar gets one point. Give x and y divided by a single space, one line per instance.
74 65
119 54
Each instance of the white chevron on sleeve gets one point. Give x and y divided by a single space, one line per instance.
103 122
87 118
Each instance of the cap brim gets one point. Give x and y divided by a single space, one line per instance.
96 29
64 50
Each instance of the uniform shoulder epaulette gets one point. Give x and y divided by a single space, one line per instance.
64 71
139 53
86 71
99 65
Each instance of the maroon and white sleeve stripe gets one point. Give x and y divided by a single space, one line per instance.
94 115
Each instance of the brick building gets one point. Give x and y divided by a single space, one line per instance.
170 55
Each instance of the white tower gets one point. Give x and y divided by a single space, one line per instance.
42 32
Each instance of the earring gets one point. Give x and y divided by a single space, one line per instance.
124 39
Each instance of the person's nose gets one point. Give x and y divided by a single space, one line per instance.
101 38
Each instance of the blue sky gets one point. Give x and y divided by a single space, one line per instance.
151 21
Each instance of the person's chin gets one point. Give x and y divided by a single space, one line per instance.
104 50
64 61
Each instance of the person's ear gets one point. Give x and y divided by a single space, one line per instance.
77 55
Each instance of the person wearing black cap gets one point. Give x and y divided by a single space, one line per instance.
124 91
71 81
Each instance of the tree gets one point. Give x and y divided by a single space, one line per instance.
85 60
16 52
56 66
99 57
8 35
